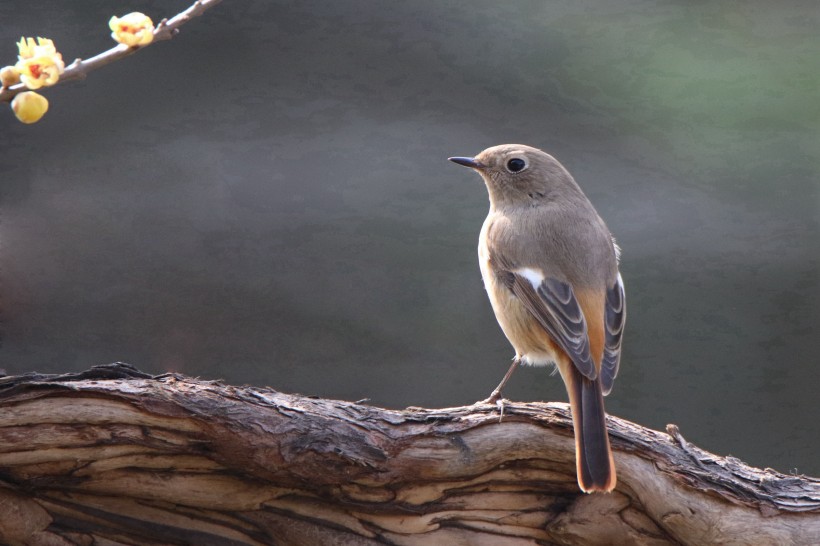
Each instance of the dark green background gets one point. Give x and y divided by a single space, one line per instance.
266 199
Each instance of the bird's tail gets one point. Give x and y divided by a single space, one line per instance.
593 456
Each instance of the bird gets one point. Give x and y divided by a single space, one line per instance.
550 267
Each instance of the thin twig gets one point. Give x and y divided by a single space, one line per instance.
79 69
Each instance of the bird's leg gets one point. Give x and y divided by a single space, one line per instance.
495 396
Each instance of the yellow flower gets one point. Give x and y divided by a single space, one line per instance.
29 48
39 71
39 63
134 29
29 106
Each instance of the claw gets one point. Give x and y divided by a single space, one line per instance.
500 404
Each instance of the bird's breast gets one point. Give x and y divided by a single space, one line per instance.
529 339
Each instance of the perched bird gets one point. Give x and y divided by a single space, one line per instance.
550 267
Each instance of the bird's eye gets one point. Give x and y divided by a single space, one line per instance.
516 164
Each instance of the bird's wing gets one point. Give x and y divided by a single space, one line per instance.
554 306
615 315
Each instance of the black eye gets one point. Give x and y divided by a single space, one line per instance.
516 164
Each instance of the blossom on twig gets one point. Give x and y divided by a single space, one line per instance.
39 63
134 29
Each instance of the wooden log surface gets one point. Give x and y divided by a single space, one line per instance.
116 456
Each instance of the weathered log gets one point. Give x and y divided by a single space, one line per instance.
116 456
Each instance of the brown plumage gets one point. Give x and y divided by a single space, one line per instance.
550 267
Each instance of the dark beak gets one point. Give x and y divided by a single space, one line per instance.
468 162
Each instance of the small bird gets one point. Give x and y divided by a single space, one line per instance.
550 267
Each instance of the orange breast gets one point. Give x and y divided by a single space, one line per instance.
525 333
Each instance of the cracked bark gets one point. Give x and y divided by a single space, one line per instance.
115 456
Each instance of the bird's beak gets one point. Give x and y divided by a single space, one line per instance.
468 162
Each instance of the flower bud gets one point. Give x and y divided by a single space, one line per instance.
29 106
9 76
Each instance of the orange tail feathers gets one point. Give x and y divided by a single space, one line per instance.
593 455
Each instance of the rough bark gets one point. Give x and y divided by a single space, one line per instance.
115 456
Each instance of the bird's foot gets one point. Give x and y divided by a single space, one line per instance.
500 404
495 399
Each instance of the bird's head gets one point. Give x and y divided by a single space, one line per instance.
516 174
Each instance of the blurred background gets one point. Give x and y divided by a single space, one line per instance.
266 199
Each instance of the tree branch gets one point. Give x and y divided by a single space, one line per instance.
79 69
116 456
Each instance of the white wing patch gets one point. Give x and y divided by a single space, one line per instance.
533 275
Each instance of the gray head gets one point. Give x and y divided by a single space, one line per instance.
516 174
